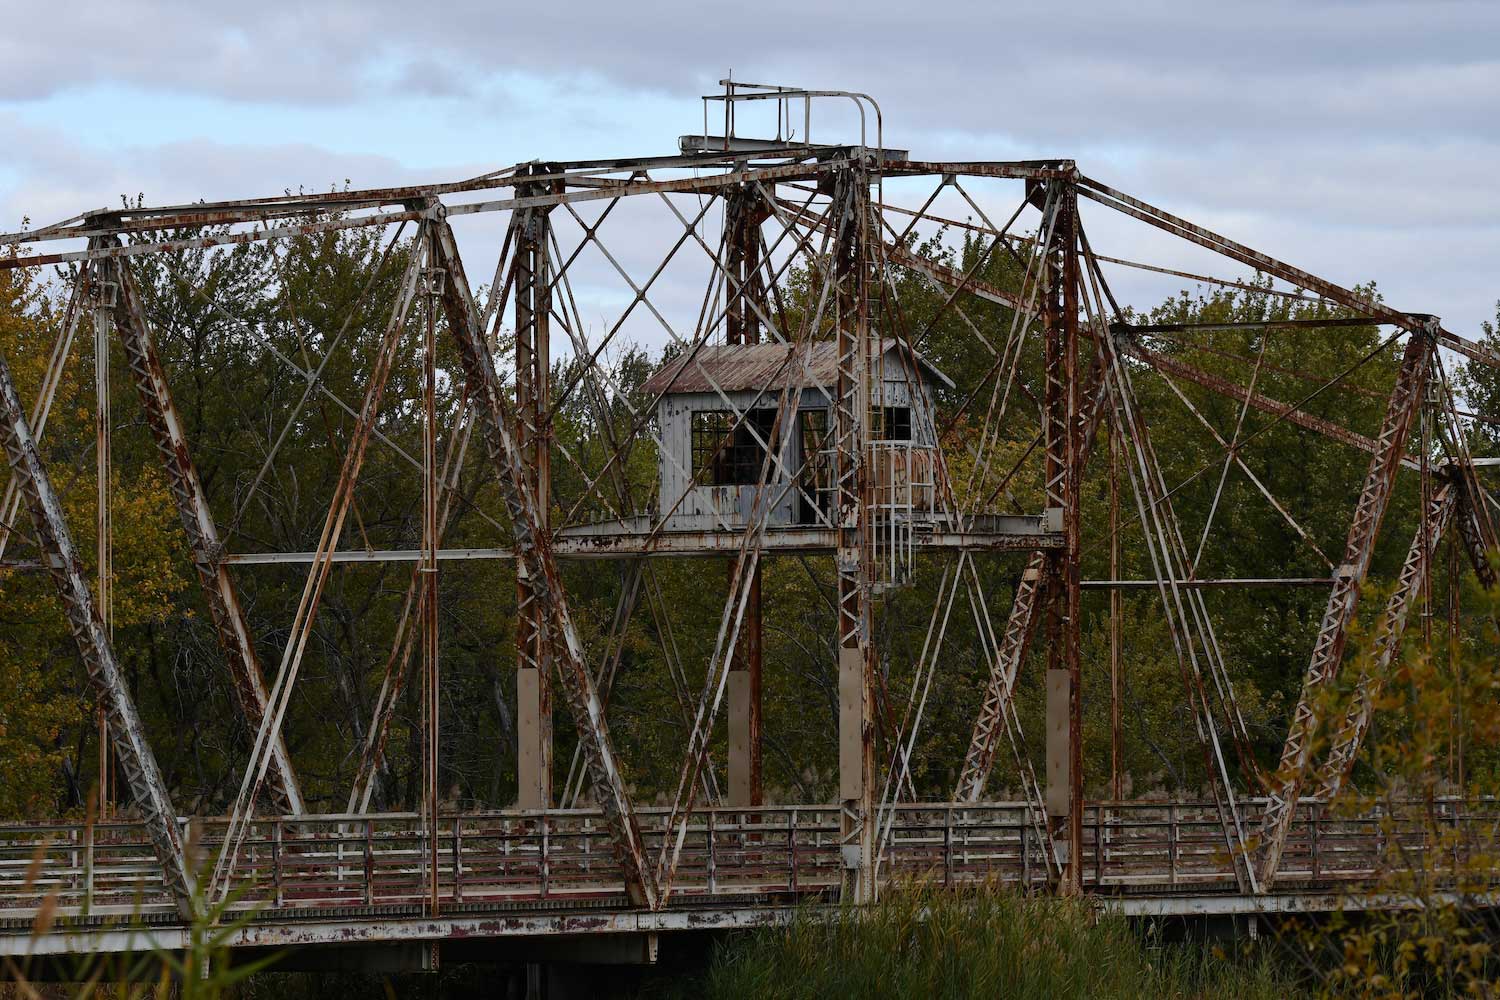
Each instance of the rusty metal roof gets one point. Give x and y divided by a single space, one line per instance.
740 367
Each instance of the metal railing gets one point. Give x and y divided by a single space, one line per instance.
330 863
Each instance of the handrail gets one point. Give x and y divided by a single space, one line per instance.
321 864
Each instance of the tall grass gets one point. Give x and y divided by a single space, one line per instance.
917 943
201 971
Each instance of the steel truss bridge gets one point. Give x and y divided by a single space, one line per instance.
745 212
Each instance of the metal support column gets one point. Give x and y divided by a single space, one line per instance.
854 565
133 754
533 299
1064 792
745 210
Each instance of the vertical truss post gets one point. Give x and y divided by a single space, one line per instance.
854 564
1064 794
745 210
534 548
1343 601
198 524
132 751
1344 746
533 305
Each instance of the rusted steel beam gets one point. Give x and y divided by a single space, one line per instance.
706 185
119 221
534 548
1061 425
1057 798
202 533
531 284
1193 233
1349 299
1345 744
953 279
206 242
854 562
1031 170
1263 324
133 753
1343 601
745 212
122 220
1214 584
1265 404
1014 641
1007 533
1472 532
1471 349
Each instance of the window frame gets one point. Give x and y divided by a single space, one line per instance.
724 450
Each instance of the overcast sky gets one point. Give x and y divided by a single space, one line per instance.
1357 140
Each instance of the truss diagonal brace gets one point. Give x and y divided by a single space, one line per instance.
534 550
1345 744
1471 532
198 523
127 733
1014 641
1343 600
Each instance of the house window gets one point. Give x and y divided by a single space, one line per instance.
815 475
728 451
892 423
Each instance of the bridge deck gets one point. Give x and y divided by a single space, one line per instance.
348 878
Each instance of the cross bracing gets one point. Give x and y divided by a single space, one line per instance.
801 422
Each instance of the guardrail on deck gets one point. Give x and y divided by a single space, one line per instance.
332 862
